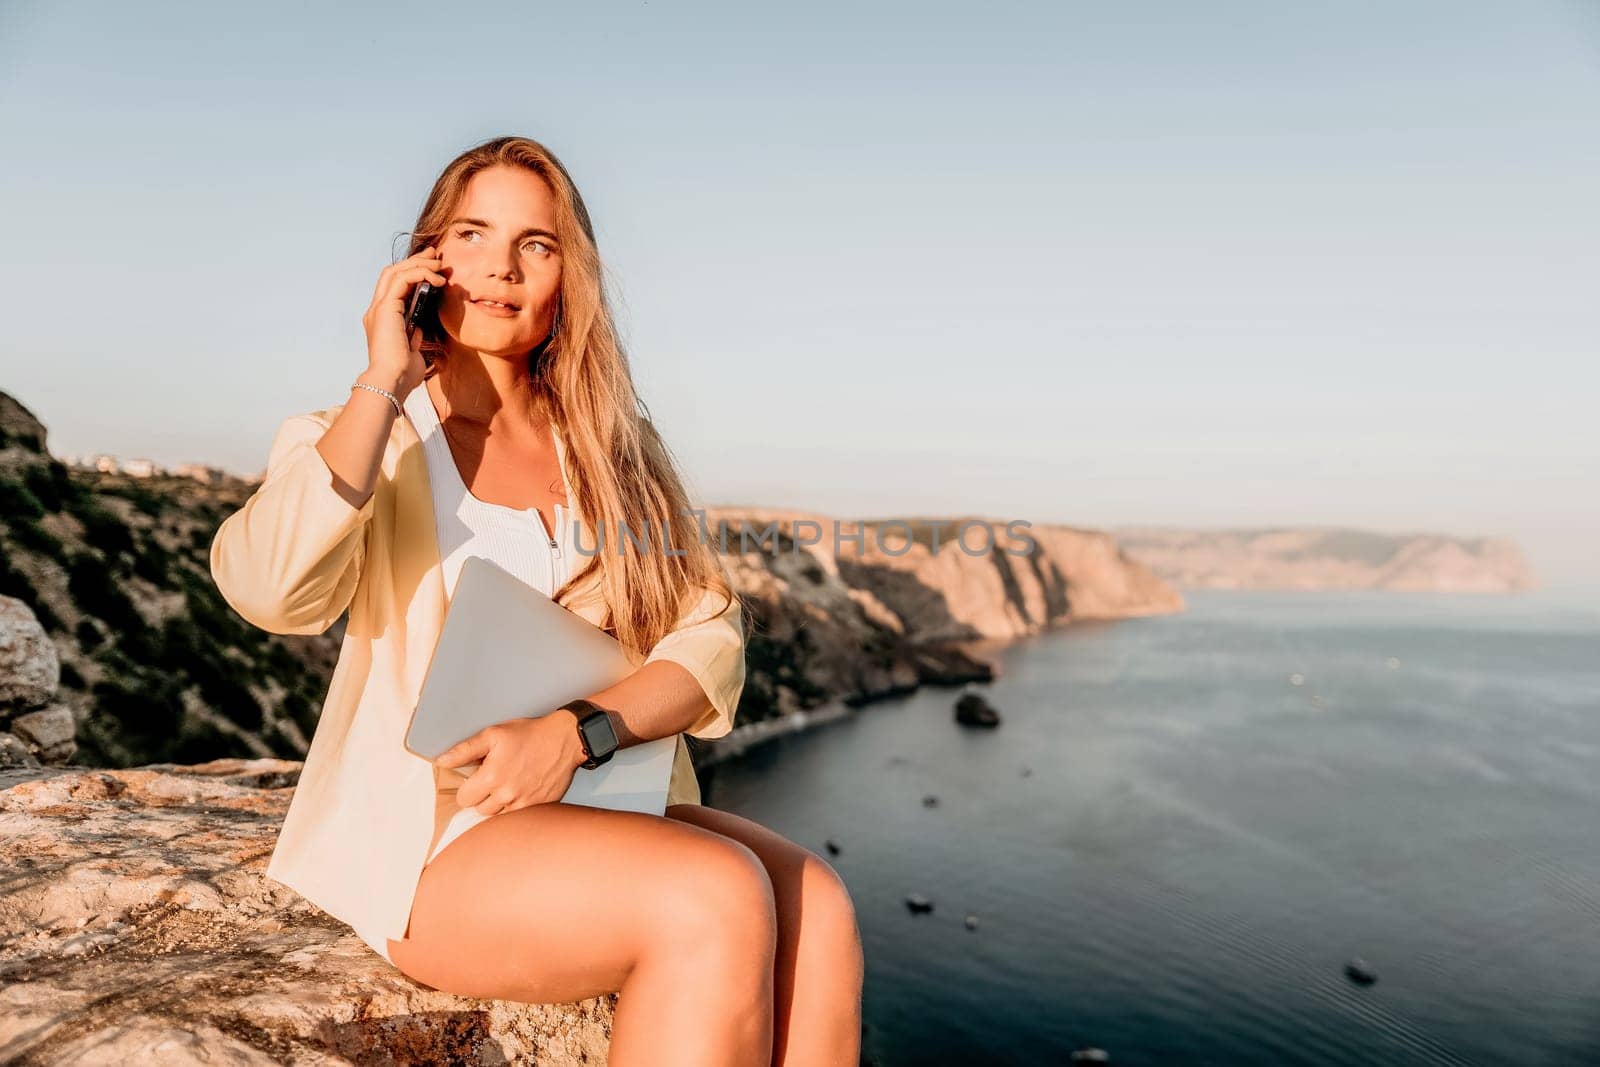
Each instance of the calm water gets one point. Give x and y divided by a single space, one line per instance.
1203 844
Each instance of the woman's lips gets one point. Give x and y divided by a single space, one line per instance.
491 309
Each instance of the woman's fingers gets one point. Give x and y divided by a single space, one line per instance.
475 747
427 259
397 286
391 342
490 805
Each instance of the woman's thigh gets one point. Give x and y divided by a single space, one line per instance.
557 902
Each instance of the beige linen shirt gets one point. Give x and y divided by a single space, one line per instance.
292 560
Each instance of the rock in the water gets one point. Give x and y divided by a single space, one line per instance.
1359 973
832 846
930 801
918 903
137 925
973 710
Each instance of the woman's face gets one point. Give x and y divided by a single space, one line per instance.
501 245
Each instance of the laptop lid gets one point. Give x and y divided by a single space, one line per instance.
508 651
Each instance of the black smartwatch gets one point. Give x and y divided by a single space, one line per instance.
595 733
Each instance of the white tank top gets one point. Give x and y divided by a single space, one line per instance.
513 538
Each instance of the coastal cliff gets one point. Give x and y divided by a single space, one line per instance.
868 612
1331 558
154 667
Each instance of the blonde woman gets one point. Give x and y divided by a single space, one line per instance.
509 428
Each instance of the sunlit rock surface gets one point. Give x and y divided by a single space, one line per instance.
137 926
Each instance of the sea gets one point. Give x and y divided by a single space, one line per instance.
1187 829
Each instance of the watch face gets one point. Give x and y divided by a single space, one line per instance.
601 737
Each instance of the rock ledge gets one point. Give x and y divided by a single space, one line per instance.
137 925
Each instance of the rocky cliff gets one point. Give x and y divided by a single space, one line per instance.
864 610
153 666
1329 559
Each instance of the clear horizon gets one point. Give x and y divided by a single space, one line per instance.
1156 265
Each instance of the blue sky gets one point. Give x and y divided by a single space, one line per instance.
1206 264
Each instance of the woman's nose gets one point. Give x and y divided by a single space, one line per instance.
508 267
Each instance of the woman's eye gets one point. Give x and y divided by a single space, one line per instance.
462 234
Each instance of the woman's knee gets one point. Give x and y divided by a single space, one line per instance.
827 911
824 894
723 901
811 897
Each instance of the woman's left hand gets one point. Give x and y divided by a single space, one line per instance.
525 762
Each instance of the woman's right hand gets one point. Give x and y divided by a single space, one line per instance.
390 354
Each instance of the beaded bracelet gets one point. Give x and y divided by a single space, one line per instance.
380 392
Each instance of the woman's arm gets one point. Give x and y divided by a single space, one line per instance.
689 683
353 446
288 561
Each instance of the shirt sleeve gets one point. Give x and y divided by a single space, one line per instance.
289 560
709 643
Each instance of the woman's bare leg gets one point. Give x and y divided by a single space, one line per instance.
559 902
819 965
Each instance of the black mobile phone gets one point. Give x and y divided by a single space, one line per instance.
424 310
424 314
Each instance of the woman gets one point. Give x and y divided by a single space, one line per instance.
728 943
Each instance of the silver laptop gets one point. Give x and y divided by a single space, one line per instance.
507 651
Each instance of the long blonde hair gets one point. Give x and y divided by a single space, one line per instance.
621 472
